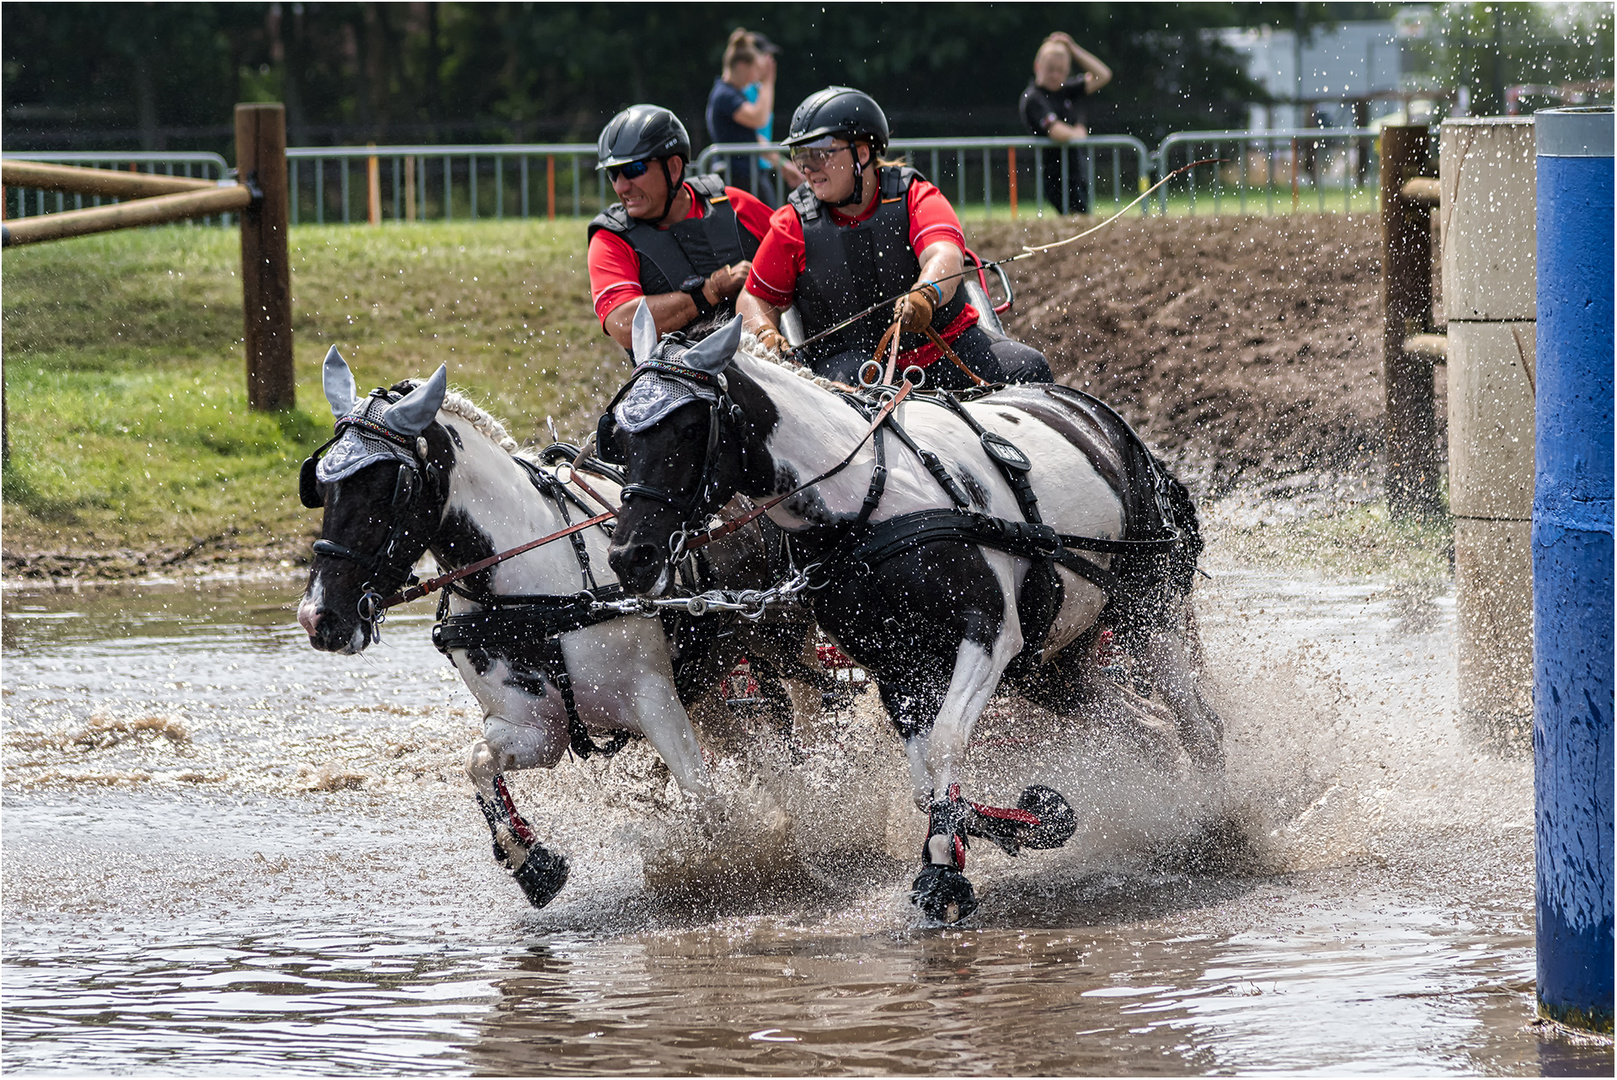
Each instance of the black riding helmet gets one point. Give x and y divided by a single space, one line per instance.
844 112
641 133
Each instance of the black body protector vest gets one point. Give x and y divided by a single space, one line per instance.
848 268
693 246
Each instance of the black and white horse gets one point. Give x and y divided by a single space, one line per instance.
937 575
420 468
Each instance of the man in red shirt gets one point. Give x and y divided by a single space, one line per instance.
857 232
684 243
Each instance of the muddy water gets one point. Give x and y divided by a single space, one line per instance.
226 854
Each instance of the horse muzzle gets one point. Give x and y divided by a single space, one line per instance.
327 633
642 569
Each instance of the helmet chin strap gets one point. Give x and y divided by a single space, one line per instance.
668 189
858 183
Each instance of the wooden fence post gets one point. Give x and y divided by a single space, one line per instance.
1406 295
266 279
1010 154
373 189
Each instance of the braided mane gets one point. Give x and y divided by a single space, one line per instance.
751 346
458 404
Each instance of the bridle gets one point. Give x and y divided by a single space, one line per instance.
694 508
389 567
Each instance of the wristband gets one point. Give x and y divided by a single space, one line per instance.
935 288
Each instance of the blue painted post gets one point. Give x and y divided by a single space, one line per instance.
1572 568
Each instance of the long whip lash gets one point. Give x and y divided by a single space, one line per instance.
1026 252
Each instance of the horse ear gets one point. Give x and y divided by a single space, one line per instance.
411 414
644 333
713 353
339 383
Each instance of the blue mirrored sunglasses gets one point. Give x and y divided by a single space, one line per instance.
633 170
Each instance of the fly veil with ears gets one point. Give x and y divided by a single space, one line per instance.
383 426
668 373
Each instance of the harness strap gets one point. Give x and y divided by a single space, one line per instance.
763 508
1022 538
934 465
539 624
1000 451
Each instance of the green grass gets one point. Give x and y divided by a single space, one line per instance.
125 378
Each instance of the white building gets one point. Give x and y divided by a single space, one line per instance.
1334 67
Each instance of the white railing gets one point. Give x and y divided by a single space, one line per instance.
1267 171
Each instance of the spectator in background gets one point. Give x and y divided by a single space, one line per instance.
786 177
731 118
684 243
1050 106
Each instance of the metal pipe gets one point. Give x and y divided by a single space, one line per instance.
1572 568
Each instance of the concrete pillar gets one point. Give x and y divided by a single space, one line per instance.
1572 568
1489 259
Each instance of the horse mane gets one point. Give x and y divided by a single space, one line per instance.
458 404
756 351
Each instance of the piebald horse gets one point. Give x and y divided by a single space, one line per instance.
419 468
936 573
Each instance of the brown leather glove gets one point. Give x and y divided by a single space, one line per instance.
771 339
914 310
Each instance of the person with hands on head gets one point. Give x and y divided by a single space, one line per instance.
1050 107
731 116
861 230
684 243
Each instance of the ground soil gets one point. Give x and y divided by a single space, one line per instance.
1246 350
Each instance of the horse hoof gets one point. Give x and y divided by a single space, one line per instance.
541 875
943 893
1057 822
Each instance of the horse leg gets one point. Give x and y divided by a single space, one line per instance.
539 872
941 890
1171 655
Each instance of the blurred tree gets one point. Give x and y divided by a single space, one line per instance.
1490 47
167 74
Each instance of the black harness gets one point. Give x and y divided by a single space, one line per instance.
1145 554
532 622
536 622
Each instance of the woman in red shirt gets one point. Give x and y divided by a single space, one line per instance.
860 230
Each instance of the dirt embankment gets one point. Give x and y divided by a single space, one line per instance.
1247 351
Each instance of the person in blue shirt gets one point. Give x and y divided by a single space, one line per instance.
731 118
784 176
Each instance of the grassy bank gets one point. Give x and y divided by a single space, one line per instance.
128 422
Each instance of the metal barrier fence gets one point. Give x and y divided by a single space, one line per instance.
1259 164
445 183
198 166
1267 171
969 165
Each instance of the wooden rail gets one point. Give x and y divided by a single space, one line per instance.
261 199
158 210
118 185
